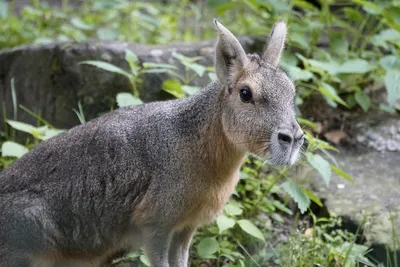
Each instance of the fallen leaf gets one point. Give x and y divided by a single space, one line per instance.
335 136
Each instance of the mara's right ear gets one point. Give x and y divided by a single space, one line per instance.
276 43
230 57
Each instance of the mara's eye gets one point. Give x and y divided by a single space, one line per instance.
245 94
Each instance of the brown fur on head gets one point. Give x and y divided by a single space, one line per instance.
258 107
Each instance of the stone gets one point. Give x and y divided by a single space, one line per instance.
375 195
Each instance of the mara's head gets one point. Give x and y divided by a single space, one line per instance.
258 112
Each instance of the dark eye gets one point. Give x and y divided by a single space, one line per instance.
245 94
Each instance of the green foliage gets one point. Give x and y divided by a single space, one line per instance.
12 149
341 48
134 75
207 247
298 195
321 165
179 85
325 244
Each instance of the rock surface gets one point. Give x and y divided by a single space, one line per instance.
375 195
50 81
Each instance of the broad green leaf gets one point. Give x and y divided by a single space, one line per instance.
288 59
355 66
42 133
390 62
329 101
133 61
50 132
392 83
106 34
173 87
22 126
308 123
233 209
312 196
387 108
363 100
321 165
300 39
3 9
78 23
251 229
107 66
379 8
280 206
298 195
330 67
392 17
149 20
298 74
340 172
339 45
353 14
207 247
190 90
150 65
224 223
323 145
127 99
183 59
145 260
330 92
368 6
388 35
212 76
199 69
12 149
155 70
132 255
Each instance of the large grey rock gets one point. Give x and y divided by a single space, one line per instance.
375 195
50 81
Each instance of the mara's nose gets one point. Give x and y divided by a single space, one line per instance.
287 137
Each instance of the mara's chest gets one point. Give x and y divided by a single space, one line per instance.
210 199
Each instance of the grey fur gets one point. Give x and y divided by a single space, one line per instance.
145 175
276 43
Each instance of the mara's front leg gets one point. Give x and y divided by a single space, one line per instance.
156 242
179 248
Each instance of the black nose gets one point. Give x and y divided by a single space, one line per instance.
285 138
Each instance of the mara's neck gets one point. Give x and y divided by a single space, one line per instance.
220 156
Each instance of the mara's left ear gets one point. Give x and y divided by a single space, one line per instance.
276 43
230 57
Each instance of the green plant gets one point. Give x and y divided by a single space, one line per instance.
134 75
345 49
324 244
179 86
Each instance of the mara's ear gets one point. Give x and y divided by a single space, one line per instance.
276 43
230 57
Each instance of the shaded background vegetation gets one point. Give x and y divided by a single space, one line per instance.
343 54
